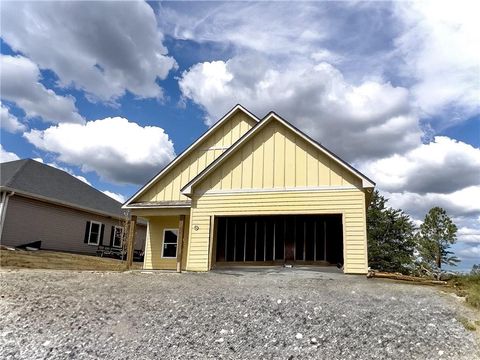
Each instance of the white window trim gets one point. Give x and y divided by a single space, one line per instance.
163 244
115 227
90 233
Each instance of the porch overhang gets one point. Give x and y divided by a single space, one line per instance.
160 208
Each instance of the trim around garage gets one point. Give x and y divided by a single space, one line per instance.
277 190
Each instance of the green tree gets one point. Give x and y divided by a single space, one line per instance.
437 234
475 269
391 237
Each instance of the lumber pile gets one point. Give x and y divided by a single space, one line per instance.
399 276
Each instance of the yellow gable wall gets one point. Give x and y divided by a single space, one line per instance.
168 187
278 158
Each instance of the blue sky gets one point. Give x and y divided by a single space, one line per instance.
111 92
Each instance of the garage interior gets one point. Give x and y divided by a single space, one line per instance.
279 240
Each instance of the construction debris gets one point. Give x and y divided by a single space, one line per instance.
399 276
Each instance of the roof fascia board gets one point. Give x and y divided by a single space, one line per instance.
158 207
187 189
59 202
188 151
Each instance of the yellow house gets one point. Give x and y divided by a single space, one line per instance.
255 192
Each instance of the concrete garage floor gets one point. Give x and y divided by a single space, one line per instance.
272 313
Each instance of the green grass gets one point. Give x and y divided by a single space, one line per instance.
468 286
466 323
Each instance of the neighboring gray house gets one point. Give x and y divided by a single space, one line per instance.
41 203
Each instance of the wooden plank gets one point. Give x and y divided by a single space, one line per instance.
181 232
212 248
131 240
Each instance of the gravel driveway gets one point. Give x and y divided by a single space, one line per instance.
271 314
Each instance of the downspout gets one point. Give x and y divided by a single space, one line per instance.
3 209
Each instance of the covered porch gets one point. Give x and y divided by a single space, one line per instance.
166 243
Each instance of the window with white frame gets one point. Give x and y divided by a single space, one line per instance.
170 237
94 233
117 239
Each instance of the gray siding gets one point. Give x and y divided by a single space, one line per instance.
57 227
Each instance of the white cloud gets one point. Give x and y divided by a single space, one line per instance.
104 48
441 166
470 252
67 170
116 196
6 156
469 235
116 149
439 48
239 23
426 45
459 203
8 121
21 85
371 119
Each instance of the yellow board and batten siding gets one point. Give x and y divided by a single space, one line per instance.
154 243
278 172
168 187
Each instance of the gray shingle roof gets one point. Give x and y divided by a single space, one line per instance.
31 177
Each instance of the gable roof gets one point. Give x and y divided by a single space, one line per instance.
37 180
272 116
187 151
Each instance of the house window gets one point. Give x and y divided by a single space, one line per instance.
94 233
169 249
117 236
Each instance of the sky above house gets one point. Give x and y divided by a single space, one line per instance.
112 91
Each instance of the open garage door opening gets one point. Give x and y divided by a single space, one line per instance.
278 240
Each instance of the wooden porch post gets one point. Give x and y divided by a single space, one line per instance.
181 232
131 240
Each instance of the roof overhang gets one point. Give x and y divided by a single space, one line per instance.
161 205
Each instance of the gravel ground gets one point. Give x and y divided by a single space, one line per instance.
271 314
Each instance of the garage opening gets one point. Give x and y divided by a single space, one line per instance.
286 239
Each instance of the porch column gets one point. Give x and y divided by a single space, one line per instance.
132 227
181 232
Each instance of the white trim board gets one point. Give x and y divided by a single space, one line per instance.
277 190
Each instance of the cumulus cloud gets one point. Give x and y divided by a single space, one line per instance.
471 252
6 156
436 45
372 119
104 48
116 149
442 166
469 235
8 121
116 196
458 203
409 43
21 84
67 170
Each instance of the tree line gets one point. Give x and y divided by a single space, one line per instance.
395 244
